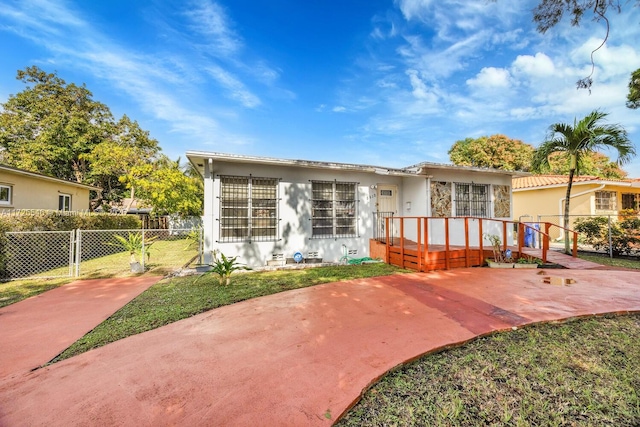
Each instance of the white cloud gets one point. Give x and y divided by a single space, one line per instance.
491 77
234 87
339 109
538 66
209 19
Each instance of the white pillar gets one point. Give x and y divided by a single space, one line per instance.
208 220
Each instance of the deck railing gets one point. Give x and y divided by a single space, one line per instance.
425 233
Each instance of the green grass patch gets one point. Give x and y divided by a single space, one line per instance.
614 262
12 292
178 298
585 373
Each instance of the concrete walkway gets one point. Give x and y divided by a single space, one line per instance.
36 330
300 357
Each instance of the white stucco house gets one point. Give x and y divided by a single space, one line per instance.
267 209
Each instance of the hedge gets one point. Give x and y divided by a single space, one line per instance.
54 221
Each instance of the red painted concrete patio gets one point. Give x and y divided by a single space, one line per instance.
299 357
37 329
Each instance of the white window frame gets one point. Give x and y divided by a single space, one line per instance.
257 199
8 190
611 200
334 209
64 202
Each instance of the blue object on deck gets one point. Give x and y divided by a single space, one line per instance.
530 235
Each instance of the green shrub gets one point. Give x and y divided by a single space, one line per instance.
53 221
625 234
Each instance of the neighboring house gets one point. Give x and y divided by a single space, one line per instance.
543 196
265 209
20 189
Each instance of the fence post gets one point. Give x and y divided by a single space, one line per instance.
142 254
72 239
78 239
610 239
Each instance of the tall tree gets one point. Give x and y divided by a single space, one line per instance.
495 151
58 129
633 98
46 127
167 187
585 136
594 163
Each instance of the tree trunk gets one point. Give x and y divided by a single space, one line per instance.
567 244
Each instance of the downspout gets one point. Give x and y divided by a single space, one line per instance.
561 210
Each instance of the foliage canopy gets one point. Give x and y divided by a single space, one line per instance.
56 128
496 151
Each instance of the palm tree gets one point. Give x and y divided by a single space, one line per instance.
585 136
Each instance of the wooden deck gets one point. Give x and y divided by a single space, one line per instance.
418 256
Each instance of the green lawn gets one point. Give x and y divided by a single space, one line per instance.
614 262
583 373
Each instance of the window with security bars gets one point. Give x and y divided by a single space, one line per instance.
334 209
248 209
606 200
472 200
630 201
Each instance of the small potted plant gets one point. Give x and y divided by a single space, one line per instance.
500 259
526 262
133 244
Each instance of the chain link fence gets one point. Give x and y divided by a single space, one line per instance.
98 253
42 254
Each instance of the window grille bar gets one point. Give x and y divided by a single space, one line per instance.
248 209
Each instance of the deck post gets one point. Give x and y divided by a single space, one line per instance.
504 235
545 242
481 240
467 254
575 244
419 234
446 244
426 242
386 240
402 242
520 237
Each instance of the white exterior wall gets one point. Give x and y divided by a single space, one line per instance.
294 211
413 203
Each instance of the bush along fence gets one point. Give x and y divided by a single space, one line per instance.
615 234
96 253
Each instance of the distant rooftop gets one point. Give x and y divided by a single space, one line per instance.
545 181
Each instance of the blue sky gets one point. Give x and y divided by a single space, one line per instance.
383 82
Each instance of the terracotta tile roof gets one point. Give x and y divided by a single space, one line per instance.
536 181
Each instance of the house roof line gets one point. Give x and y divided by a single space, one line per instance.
537 182
418 170
47 178
430 165
303 163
